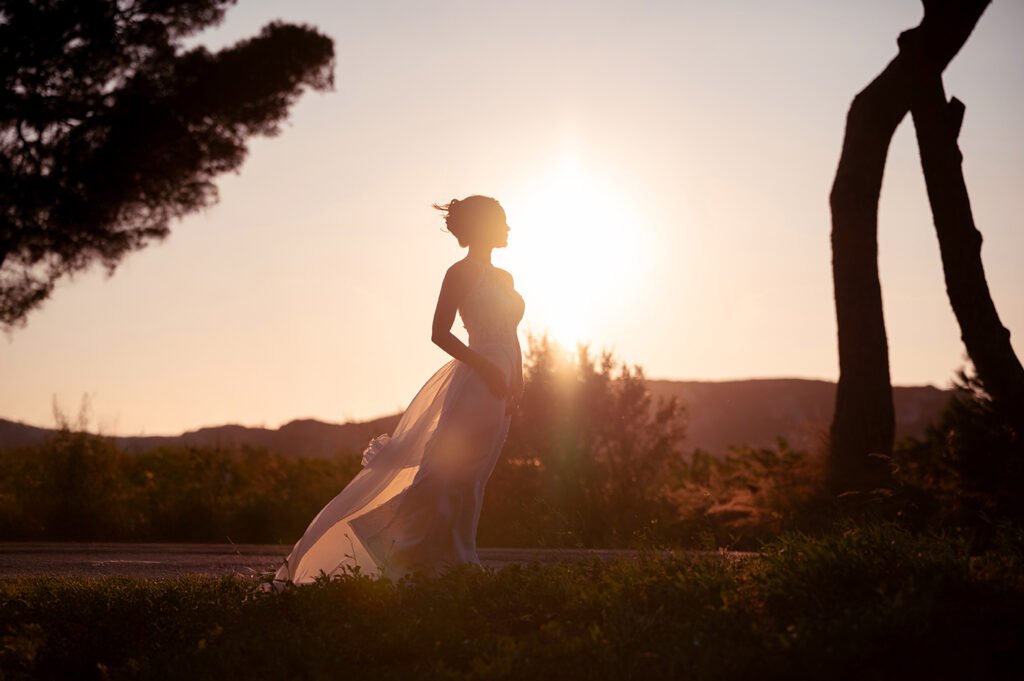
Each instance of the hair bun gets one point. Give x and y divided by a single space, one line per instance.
451 204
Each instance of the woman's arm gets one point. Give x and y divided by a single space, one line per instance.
516 385
452 289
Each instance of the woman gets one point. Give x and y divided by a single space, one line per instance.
416 503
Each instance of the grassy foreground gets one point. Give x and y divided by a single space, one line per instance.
862 603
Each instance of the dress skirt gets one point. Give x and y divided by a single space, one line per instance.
416 503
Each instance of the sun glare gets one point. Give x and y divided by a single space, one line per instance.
573 249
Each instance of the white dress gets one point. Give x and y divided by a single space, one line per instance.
416 503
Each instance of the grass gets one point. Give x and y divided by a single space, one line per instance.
872 602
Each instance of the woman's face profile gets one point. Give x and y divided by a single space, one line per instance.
498 229
501 234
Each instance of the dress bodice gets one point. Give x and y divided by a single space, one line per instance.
492 309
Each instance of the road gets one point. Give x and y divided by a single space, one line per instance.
88 559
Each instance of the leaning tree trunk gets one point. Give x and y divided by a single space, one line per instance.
864 421
937 123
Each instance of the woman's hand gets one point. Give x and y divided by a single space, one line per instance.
494 379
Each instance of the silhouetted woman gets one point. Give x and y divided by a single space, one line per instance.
416 503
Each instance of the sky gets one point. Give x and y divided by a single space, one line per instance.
665 168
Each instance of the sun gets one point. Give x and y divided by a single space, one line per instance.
573 250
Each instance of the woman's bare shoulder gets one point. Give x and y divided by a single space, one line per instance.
459 273
505 275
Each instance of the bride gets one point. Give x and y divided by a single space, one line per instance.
416 502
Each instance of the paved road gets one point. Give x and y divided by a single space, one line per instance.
18 559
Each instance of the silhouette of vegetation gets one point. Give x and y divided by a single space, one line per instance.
79 486
968 471
749 496
873 602
588 458
863 424
592 460
109 128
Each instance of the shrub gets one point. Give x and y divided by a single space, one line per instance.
80 486
968 470
860 602
588 455
750 495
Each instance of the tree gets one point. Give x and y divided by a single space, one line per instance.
937 123
864 422
109 128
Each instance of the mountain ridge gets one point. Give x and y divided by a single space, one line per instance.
722 414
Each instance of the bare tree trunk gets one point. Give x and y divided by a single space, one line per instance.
937 123
864 420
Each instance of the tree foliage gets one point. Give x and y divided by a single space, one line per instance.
110 128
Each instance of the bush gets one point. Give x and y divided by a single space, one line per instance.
868 602
80 486
750 495
588 456
592 460
968 470
70 488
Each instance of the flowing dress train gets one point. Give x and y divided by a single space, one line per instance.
416 502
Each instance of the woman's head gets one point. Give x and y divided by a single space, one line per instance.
476 221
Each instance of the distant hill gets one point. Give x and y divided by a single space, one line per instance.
304 437
756 411
721 414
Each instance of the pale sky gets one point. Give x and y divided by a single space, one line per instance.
665 168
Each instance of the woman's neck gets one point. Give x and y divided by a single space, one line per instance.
479 255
